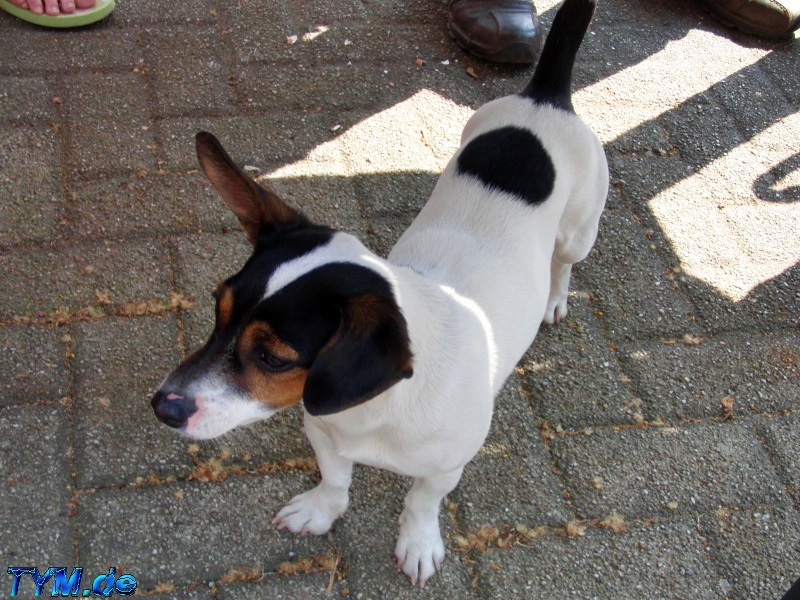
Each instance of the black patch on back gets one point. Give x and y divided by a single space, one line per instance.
512 160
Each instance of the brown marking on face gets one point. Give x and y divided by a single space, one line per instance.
224 296
275 389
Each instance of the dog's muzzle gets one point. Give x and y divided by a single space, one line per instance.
173 409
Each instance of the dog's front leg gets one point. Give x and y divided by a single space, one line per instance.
315 511
419 548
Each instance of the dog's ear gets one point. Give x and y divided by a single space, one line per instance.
368 354
255 206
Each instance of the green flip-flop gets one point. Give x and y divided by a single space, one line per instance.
85 16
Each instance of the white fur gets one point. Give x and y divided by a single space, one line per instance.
475 274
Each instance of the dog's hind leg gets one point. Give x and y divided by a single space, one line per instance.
419 548
315 511
577 231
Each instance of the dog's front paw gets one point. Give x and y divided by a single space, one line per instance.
419 549
313 511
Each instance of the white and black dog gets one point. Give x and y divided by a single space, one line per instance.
397 362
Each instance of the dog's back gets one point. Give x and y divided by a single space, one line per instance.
528 181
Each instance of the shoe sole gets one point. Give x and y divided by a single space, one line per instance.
80 17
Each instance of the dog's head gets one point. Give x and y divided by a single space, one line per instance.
304 319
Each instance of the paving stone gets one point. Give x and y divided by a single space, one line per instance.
782 443
32 363
27 99
190 532
665 560
138 12
511 479
286 587
756 549
330 201
636 291
118 365
778 64
102 47
28 180
35 528
39 280
262 141
701 145
261 36
200 592
572 374
347 42
107 146
139 205
88 93
737 95
677 380
190 56
276 440
660 472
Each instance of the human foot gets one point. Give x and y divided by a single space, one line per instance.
53 8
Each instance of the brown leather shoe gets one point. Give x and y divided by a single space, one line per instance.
499 30
767 18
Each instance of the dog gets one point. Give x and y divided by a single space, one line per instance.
397 361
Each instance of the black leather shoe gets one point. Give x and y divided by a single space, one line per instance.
499 30
766 18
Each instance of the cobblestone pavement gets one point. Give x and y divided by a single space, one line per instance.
645 448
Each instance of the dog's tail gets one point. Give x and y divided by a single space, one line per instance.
552 80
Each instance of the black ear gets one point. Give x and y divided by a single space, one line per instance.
368 354
255 206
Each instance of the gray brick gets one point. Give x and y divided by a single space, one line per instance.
118 365
107 146
32 361
638 473
330 201
636 292
29 165
286 587
35 528
784 445
27 99
187 533
263 141
573 376
191 58
141 205
40 50
661 561
42 279
511 479
756 549
140 12
680 381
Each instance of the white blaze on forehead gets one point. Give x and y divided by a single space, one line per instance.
343 248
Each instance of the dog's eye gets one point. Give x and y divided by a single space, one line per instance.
273 363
